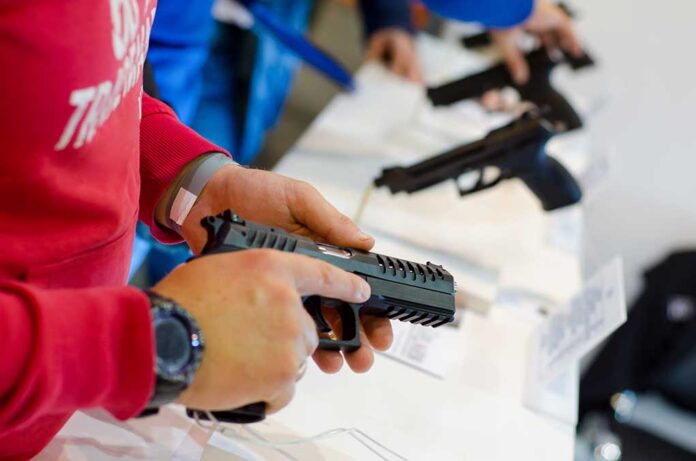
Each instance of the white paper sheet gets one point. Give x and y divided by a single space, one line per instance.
573 331
430 350
493 228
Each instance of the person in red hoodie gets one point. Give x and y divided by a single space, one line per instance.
86 154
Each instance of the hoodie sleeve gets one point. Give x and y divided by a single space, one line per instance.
166 146
73 349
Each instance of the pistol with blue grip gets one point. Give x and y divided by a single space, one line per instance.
516 150
422 294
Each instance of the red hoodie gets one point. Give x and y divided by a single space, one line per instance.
84 155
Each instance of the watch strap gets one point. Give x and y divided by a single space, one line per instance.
169 388
166 392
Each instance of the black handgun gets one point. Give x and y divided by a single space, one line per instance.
484 38
402 290
537 90
516 150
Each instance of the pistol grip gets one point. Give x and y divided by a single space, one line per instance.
350 323
553 185
558 109
252 413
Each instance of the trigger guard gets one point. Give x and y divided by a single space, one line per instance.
479 181
350 322
313 306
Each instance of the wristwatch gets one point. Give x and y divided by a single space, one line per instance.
179 349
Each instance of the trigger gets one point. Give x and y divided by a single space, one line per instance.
475 185
313 306
322 324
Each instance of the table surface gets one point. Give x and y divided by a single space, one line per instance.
500 246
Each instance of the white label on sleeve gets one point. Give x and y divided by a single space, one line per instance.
183 202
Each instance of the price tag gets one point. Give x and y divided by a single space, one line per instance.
428 349
569 333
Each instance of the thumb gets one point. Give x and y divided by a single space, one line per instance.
377 48
516 63
312 211
513 57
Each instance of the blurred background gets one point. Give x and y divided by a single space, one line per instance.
646 207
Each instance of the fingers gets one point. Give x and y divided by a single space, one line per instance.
361 360
375 332
328 361
415 73
569 39
564 37
311 210
406 61
492 101
396 49
514 58
379 331
548 41
314 277
400 58
507 43
310 338
377 48
555 27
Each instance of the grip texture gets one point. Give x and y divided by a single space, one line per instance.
553 185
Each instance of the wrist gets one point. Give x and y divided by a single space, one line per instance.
179 347
185 191
164 205
216 196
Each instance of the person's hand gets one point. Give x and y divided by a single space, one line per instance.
257 333
395 48
274 200
550 24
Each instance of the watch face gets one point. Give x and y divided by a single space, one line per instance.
174 349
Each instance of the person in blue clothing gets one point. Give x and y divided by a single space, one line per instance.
230 84
240 103
509 19
232 89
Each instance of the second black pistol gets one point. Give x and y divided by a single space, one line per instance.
517 150
537 90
